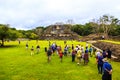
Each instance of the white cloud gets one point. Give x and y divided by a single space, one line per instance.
22 13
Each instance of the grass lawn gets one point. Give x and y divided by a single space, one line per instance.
16 63
110 41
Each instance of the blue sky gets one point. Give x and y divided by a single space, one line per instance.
27 14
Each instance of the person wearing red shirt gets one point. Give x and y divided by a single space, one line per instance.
61 55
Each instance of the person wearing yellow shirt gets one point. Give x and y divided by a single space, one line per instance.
78 56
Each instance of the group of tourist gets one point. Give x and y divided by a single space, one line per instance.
104 67
78 54
32 49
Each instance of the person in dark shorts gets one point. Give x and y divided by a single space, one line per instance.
26 45
73 55
49 52
32 51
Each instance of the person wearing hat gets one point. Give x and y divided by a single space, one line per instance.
107 70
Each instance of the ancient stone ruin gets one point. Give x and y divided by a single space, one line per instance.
59 32
94 37
115 48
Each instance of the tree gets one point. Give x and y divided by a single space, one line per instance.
78 28
108 23
33 36
22 33
95 25
87 29
7 33
4 33
13 34
82 30
115 31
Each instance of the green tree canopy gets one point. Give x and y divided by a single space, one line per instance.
7 33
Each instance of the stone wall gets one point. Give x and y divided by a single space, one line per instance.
115 48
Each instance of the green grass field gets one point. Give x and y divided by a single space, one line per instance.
16 63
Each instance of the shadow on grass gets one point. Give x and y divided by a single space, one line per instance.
8 46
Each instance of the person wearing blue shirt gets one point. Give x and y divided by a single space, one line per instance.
86 51
100 63
107 70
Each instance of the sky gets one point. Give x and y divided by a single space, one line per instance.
28 14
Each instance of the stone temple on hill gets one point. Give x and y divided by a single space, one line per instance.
60 32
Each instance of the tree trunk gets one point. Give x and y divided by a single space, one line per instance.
2 42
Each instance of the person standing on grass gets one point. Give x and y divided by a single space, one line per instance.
100 64
104 54
107 70
90 51
86 56
27 46
82 50
61 55
94 51
78 56
97 55
38 49
46 49
58 49
73 55
49 53
53 47
69 50
72 46
65 50
109 53
32 51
